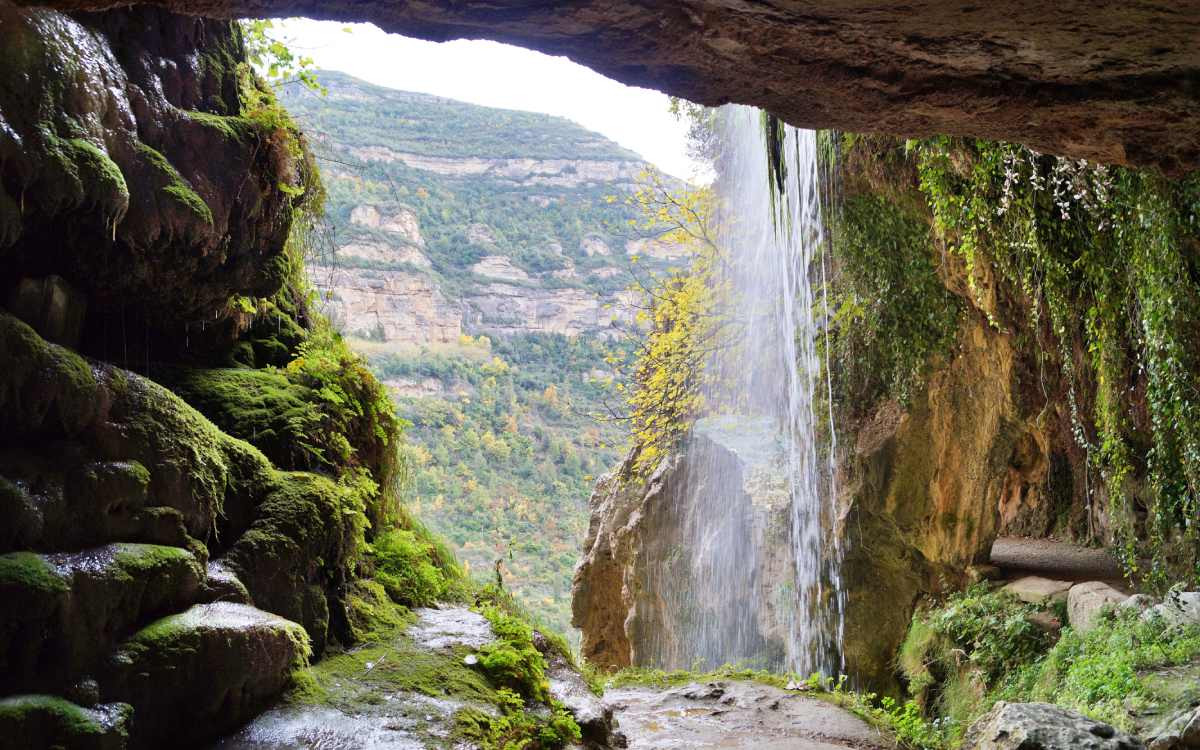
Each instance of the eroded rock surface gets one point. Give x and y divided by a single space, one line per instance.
1041 726
1114 84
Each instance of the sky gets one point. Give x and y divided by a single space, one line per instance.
499 75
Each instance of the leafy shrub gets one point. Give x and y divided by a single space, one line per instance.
1104 673
406 565
512 661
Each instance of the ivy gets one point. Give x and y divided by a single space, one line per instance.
1105 258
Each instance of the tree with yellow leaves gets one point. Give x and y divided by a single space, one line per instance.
682 324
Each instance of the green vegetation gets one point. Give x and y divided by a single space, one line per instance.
503 459
406 565
1105 257
981 646
48 721
892 313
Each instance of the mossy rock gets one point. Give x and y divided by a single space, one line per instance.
260 406
45 389
197 674
44 721
294 557
61 613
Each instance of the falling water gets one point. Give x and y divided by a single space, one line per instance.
755 576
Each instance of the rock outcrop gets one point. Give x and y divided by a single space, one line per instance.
148 184
1111 84
125 133
1041 726
664 554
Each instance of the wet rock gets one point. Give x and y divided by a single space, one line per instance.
43 721
1177 608
734 713
1041 726
568 687
450 626
136 178
1087 601
61 613
1038 590
299 523
196 674
1178 731
51 306
222 585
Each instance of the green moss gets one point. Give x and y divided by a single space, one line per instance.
176 187
405 565
97 167
231 127
43 386
30 572
516 727
263 407
29 721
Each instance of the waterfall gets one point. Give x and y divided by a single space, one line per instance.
755 576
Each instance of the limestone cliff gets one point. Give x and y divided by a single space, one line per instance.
449 218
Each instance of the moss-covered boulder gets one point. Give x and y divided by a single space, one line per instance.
43 721
143 137
194 675
295 556
60 614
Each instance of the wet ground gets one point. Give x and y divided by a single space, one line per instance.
724 714
735 714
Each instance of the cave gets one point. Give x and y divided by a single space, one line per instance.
1117 84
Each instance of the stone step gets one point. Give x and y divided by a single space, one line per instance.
44 721
62 613
68 500
197 674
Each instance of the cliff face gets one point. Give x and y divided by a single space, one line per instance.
451 219
160 577
987 378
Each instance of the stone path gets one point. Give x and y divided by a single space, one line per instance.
735 714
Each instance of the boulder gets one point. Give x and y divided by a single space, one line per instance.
60 614
1179 731
1042 726
44 721
1087 601
1038 590
194 675
1178 608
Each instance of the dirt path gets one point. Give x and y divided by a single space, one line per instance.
734 714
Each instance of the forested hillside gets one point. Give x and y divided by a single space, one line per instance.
482 259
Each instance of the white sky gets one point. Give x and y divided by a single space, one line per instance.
499 75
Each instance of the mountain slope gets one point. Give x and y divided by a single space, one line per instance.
482 259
